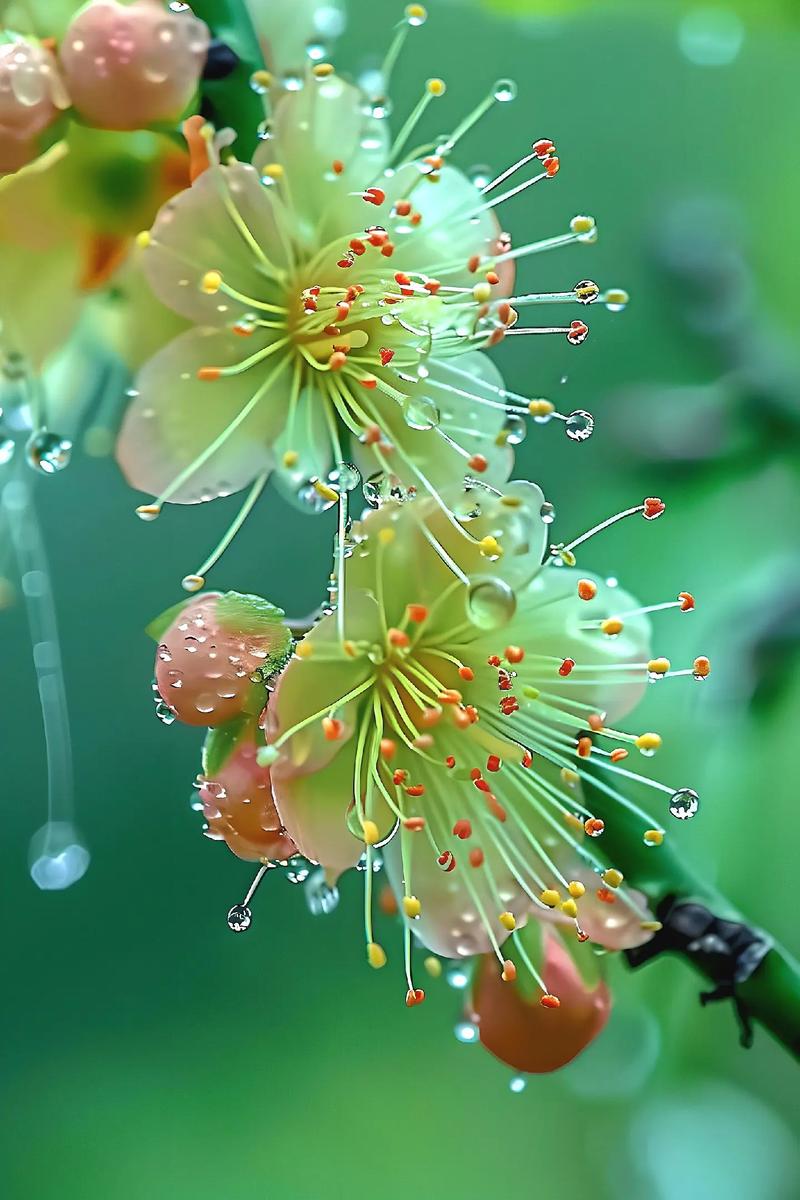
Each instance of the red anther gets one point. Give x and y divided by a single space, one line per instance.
332 330
374 195
475 773
446 861
369 381
462 829
371 435
397 637
467 674
337 166
494 660
416 789
347 261
387 299
401 277
414 824
434 160
376 235
387 249
594 826
430 716
353 292
493 763
476 857
481 785
527 758
504 681
587 589
416 218
478 462
449 761
386 356
310 304
461 718
652 508
472 713
332 728
514 654
578 332
417 613
406 291
584 747
548 1001
509 971
606 895
582 936
399 776
432 286
618 755
551 166
496 337
473 263
566 667
209 374
504 312
496 808
509 705
687 601
402 208
337 360
342 310
543 147
342 348
449 696
411 999
492 277
243 330
595 722
424 741
357 246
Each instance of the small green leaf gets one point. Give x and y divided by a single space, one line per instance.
221 742
254 616
160 624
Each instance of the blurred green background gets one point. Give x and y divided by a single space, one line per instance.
147 1053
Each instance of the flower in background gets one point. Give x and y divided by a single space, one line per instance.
32 98
342 288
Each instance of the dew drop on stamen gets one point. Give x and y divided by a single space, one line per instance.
579 425
48 452
380 108
420 413
165 714
490 603
297 869
292 82
684 804
239 918
515 429
504 90
316 50
345 476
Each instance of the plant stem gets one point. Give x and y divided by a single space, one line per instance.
232 100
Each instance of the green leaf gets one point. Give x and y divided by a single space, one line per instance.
221 742
160 624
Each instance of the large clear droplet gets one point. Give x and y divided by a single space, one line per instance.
421 413
316 50
490 603
504 90
308 495
346 477
579 425
239 918
297 869
684 804
48 452
321 898
515 429
57 856
548 513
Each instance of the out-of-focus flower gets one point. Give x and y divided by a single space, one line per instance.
342 287
128 66
449 708
32 97
513 1023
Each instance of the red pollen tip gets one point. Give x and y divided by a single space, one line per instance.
476 857
566 667
369 381
432 286
374 195
209 374
387 249
514 654
467 674
543 148
337 166
687 601
371 435
414 824
332 728
402 208
417 613
388 748
595 722
386 356
447 861
450 761
496 809
414 997
357 246
527 759
399 776
478 462
493 763
416 789
481 785
552 166
548 1001
462 829
578 332
606 895
594 826
653 507
494 660
473 263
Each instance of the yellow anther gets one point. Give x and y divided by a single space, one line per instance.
569 777
148 512
617 297
653 837
582 224
511 501
143 239
650 926
416 13
192 583
386 536
490 547
376 955
530 693
433 966
322 70
272 171
658 666
436 87
569 908
304 649
411 907
370 832
574 822
290 458
481 293
327 493
350 648
575 889
612 626
567 558
508 921
587 291
211 283
648 742
550 897
261 79
541 408
612 877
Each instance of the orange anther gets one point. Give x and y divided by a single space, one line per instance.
595 722
587 589
584 747
467 674
478 462
476 857
514 654
687 601
337 166
548 1001
509 972
473 263
417 613
209 374
388 748
414 824
618 755
332 728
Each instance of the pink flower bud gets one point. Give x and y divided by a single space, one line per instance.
31 94
132 65
213 659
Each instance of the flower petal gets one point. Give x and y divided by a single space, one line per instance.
176 417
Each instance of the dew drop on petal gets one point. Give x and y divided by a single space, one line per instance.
7 447
517 1084
515 429
490 603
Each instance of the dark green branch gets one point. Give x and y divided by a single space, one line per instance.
231 101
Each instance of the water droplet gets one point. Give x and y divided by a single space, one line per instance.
420 413
239 918
292 82
7 447
547 512
48 452
504 90
345 476
164 653
377 863
490 603
579 425
380 108
57 856
684 804
466 1032
416 15
321 898
515 429
164 713
297 869
517 1084
307 494
264 130
586 291
457 978
480 175
316 50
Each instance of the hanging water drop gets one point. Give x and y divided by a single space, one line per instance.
548 513
684 804
239 918
579 425
321 897
48 452
504 90
420 413
515 429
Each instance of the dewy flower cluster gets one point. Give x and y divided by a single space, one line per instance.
452 714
